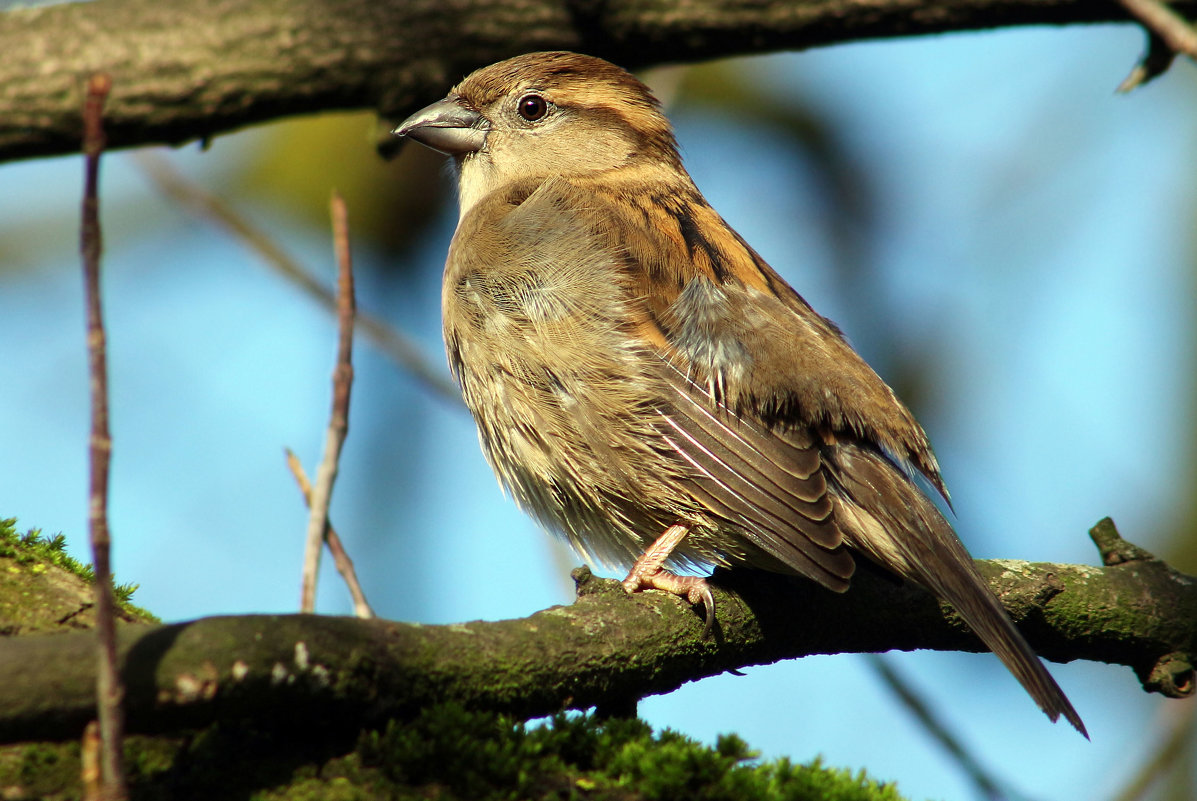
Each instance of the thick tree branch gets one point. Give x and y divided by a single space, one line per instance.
187 71
605 649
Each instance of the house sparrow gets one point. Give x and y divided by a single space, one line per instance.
645 385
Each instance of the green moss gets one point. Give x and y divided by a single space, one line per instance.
33 550
447 753
38 770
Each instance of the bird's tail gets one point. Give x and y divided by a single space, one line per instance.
885 516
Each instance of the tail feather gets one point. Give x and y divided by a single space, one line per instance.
886 517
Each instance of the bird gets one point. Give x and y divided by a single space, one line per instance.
646 386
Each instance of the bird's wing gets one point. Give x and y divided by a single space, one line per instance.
753 386
581 248
789 426
771 488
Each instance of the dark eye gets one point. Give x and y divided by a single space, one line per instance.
532 107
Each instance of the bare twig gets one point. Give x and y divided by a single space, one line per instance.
987 785
1163 21
390 341
1155 62
90 775
1168 34
1181 727
361 607
109 692
338 424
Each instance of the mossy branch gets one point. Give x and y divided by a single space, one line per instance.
188 71
606 649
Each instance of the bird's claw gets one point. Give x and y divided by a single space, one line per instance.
694 589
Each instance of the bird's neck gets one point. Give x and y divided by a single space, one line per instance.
477 177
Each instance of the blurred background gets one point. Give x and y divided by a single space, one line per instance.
1007 241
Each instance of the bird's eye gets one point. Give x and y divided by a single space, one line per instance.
532 107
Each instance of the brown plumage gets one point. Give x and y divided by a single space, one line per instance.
645 385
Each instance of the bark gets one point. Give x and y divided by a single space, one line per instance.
189 71
606 650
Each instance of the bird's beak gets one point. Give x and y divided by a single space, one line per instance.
446 126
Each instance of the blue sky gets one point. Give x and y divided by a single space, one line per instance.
1034 246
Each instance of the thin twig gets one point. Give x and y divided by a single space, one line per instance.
338 423
109 692
1168 34
90 775
1156 60
1163 21
988 786
390 341
1181 729
361 606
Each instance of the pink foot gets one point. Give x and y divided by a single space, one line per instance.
647 574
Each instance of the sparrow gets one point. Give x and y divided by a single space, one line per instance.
645 385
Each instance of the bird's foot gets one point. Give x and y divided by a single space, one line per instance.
693 588
647 574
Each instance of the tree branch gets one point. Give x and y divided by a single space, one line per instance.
605 649
187 71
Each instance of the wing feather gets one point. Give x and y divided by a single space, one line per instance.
771 489
889 519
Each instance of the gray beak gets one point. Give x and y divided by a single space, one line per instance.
446 126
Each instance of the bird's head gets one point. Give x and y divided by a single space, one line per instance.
541 115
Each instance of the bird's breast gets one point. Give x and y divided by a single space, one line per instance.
541 335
